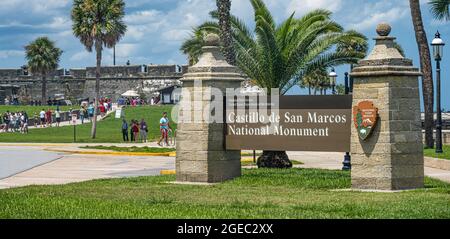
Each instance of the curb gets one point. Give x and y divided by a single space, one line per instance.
167 172
169 154
442 164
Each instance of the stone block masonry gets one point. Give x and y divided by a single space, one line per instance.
392 158
80 83
201 156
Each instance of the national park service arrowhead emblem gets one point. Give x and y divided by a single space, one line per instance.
365 117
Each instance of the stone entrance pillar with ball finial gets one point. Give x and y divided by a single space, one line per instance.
387 149
201 156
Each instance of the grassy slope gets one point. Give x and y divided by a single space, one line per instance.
432 153
108 131
292 193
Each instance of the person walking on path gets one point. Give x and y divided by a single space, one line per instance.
125 130
91 111
24 123
36 119
131 131
42 118
58 117
144 131
83 114
48 117
164 128
135 128
102 110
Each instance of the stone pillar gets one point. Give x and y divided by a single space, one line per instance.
201 156
392 157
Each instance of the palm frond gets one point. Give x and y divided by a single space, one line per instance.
440 9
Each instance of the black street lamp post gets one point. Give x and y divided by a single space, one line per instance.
347 158
438 50
333 77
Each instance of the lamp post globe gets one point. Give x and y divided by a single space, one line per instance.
333 76
438 47
438 51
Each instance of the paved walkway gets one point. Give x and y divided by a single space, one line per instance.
16 159
70 168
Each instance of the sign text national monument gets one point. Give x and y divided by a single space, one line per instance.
300 123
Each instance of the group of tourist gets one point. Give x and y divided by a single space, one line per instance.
104 106
138 131
11 101
14 122
46 118
136 101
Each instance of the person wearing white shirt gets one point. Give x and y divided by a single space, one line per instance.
42 118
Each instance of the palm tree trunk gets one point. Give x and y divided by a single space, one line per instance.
44 88
98 48
309 89
425 65
274 159
226 35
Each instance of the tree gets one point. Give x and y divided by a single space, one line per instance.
43 58
315 81
440 9
425 65
98 24
278 56
226 34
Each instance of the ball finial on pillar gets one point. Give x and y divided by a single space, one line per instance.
383 29
212 40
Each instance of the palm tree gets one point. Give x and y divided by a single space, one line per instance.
193 47
315 80
440 9
98 24
226 34
43 58
278 56
425 65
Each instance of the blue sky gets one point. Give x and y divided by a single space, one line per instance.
156 28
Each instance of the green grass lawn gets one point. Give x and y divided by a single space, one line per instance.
133 149
432 153
108 130
295 193
32 109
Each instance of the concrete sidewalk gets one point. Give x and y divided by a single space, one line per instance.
79 168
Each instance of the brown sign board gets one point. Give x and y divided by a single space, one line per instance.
301 123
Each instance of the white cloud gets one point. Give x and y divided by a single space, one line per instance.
36 6
305 6
81 56
143 17
11 53
390 16
126 50
367 16
60 22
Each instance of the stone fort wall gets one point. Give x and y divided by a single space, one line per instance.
80 83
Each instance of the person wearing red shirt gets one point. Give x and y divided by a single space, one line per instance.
48 117
102 110
135 129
